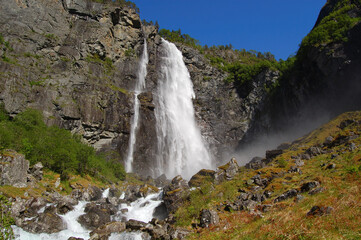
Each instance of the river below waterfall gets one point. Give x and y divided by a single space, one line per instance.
141 209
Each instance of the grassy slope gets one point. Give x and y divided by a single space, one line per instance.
287 219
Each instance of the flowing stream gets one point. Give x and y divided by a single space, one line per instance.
142 210
139 86
181 150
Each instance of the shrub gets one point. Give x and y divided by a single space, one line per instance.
56 148
6 232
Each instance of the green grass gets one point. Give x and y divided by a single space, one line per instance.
56 148
106 62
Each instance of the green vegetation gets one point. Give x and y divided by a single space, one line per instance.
105 61
56 148
6 232
341 191
334 27
177 36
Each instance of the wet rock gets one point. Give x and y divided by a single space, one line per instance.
309 185
14 169
208 217
104 231
147 189
286 195
161 181
75 238
96 215
135 225
64 207
319 211
132 193
160 212
173 193
226 172
92 193
37 171
46 222
202 177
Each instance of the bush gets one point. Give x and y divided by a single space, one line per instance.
56 148
6 232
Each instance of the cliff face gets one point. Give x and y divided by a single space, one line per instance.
77 62
325 81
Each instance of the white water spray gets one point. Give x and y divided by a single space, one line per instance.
181 149
139 86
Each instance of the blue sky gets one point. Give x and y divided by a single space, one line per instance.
275 26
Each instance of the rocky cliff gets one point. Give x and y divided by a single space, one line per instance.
77 62
326 78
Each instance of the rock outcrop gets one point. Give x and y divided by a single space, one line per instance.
13 169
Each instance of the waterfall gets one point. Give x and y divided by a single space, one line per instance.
139 86
181 149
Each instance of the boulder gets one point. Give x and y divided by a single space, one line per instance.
135 225
271 154
286 195
226 172
308 186
96 215
256 163
104 231
173 194
46 222
319 211
202 177
161 181
37 171
92 193
14 169
208 217
313 151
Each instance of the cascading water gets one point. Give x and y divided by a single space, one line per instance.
139 86
181 149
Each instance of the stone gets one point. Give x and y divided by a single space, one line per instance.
313 151
271 154
75 238
319 211
173 193
208 217
328 141
104 231
226 172
286 195
135 225
96 215
202 177
92 193
14 169
57 183
37 171
46 222
256 163
299 198
64 207
316 190
331 166
308 186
